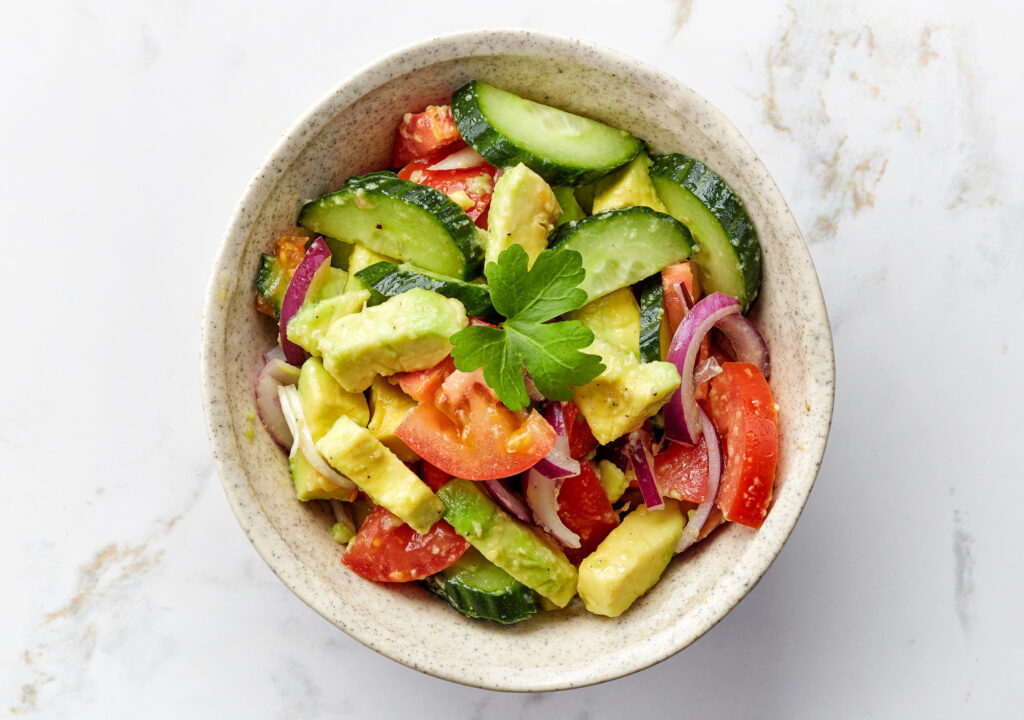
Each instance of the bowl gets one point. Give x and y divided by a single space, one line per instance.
350 132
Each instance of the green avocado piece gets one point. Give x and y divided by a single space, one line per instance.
310 323
532 559
523 212
625 394
311 485
323 400
571 210
614 318
628 186
631 559
360 259
407 332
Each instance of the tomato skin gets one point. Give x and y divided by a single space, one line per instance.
581 440
468 433
387 550
424 134
477 182
584 508
434 477
684 274
682 471
741 406
422 385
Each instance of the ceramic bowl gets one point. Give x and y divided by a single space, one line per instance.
350 132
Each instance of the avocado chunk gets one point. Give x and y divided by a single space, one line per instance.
311 322
323 400
613 480
360 259
628 186
390 406
356 453
407 332
523 211
614 318
532 559
311 485
571 210
625 394
630 560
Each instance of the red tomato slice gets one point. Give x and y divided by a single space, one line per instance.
476 182
584 508
387 550
424 134
422 385
682 471
684 274
434 477
468 433
741 406
581 440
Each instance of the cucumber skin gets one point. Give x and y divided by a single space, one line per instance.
705 184
651 312
451 217
387 280
501 152
270 283
457 590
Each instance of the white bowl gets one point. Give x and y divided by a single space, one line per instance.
350 132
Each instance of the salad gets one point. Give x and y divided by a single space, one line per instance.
519 367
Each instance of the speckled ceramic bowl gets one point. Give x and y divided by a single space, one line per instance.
350 132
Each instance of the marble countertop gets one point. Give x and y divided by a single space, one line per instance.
128 135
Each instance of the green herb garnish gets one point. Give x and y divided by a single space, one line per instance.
528 298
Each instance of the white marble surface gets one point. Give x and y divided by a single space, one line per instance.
128 133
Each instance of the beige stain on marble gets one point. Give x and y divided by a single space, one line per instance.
682 15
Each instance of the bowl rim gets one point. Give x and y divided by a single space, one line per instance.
258 528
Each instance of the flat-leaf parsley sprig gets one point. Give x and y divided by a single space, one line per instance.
529 298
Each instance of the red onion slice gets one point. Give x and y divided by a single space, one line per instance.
557 463
639 454
747 343
531 388
700 516
541 494
303 441
316 261
268 406
507 499
465 158
274 353
682 421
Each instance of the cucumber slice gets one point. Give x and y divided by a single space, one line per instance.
563 148
386 280
271 282
651 312
622 247
401 219
729 258
478 588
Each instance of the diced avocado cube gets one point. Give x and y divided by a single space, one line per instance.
341 533
630 560
613 480
328 284
354 452
312 321
522 552
614 318
523 211
628 186
625 394
362 257
311 485
407 332
324 400
571 210
390 406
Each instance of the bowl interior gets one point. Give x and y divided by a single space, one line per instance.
351 132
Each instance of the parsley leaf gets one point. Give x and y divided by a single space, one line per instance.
550 351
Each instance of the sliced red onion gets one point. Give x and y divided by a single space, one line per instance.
316 261
507 499
268 406
274 353
747 343
682 421
700 516
639 454
706 370
541 494
531 388
465 158
303 441
557 463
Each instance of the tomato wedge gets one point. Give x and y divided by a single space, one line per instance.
422 385
675 310
472 187
584 508
581 440
387 550
424 134
741 406
434 477
682 471
468 433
